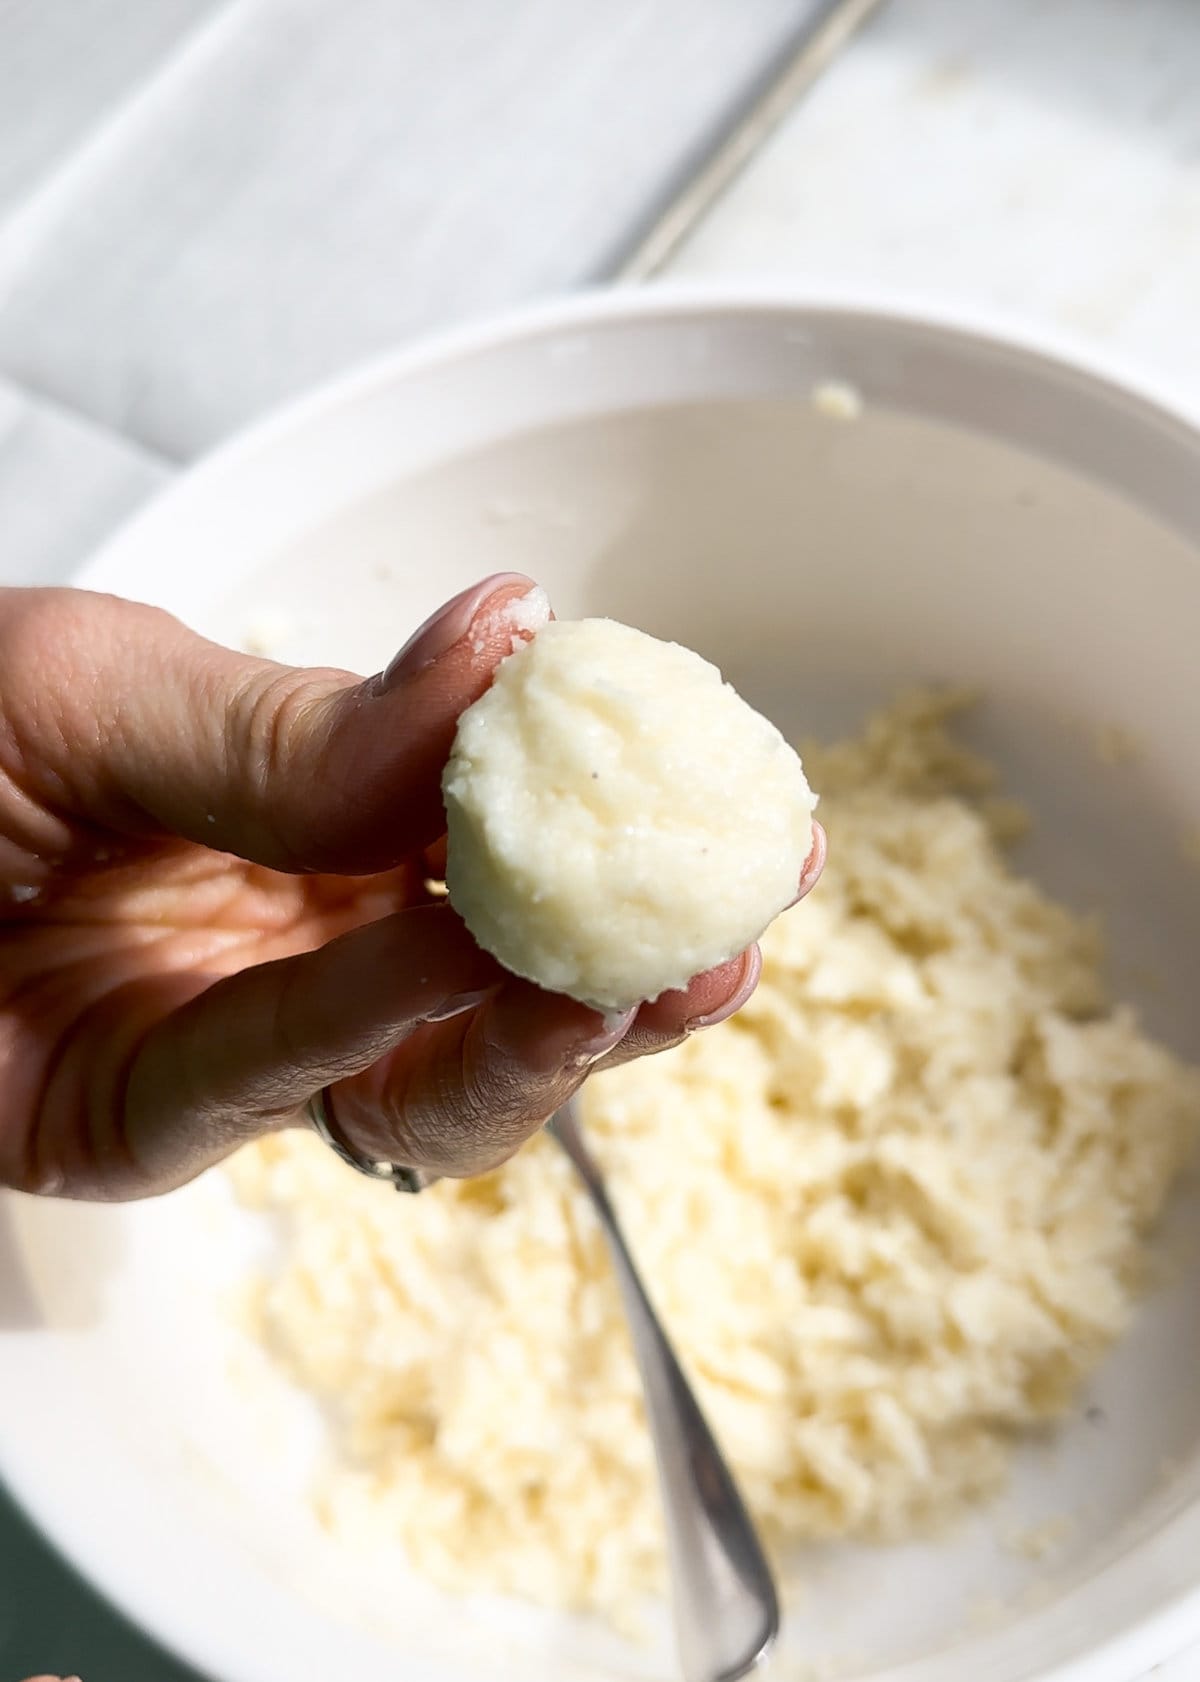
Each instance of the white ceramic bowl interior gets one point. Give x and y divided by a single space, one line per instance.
995 516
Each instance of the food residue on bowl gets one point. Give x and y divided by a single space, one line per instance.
893 1214
837 400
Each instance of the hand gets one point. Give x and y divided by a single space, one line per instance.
213 903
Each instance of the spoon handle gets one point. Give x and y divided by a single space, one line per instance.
725 1605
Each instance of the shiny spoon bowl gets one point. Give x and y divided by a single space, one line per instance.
724 1601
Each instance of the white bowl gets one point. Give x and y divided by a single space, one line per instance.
996 514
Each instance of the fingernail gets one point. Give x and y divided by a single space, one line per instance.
447 626
456 1004
751 970
616 1026
814 864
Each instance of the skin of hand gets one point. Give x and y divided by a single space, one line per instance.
214 902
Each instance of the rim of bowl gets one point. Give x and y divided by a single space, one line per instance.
1058 350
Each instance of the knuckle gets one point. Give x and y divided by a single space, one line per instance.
276 728
469 1113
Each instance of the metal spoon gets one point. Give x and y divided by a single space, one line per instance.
725 1605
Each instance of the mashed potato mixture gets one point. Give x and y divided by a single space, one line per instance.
619 818
891 1213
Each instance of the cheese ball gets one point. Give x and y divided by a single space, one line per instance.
619 819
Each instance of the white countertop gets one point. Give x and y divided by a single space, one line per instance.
1040 158
163 164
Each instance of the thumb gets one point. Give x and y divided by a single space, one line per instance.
114 715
